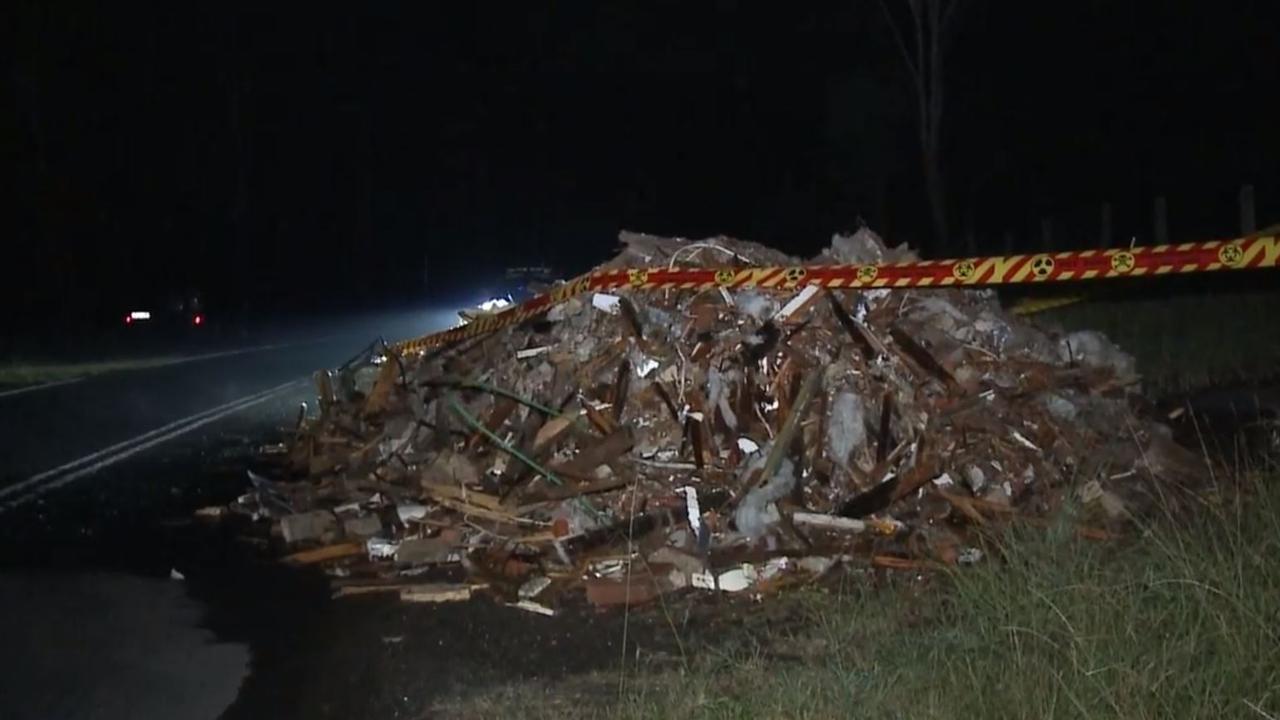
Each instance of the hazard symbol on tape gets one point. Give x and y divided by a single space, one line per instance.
1122 261
1041 266
1231 255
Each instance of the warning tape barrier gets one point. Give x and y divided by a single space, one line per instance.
1072 266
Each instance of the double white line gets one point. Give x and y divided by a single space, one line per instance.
33 487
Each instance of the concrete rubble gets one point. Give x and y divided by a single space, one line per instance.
630 444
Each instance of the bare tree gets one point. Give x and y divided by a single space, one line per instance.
924 39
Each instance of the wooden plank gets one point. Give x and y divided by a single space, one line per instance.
568 491
418 591
921 357
866 342
891 562
632 317
482 512
618 393
379 400
554 429
600 421
584 465
437 593
503 406
438 491
828 522
326 553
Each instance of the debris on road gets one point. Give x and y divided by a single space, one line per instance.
730 440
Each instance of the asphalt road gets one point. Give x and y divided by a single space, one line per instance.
93 477
48 428
105 645
43 429
116 603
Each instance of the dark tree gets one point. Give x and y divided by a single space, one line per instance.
924 33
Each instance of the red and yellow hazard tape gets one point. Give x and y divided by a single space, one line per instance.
1073 266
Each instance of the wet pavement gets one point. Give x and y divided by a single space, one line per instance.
309 656
49 427
112 645
96 625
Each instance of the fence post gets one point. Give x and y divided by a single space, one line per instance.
1007 242
1046 234
1160 220
1104 238
1248 216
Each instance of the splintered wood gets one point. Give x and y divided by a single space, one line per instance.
738 440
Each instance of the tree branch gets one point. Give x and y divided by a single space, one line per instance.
897 35
914 70
918 17
936 43
948 18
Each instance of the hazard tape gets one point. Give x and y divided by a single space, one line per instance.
1072 266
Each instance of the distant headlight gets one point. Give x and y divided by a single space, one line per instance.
495 304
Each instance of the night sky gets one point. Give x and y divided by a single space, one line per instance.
313 157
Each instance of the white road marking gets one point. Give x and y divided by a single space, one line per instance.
208 356
167 363
123 450
40 386
124 444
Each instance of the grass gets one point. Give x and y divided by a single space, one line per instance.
1186 339
18 373
1183 622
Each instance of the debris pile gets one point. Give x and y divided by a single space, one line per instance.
728 440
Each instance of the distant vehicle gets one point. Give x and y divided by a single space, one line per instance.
488 307
521 283
529 280
167 315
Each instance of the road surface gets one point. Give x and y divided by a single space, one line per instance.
94 623
47 431
94 626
